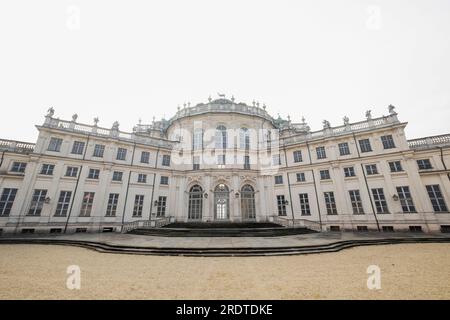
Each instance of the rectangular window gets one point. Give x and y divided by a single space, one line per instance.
117 176
276 160
364 145
304 204
94 174
301 177
281 205
7 201
330 203
279 179
362 228
47 169
138 205
298 156
37 202
424 164
415 228
145 157
112 205
355 198
387 228
436 198
78 147
388 142
164 180
99 150
71 172
344 149
371 169
380 200
321 154
395 166
221 159
349 172
142 178
196 163
18 167
63 203
55 144
86 204
406 200
166 160
161 209
325 174
121 154
247 162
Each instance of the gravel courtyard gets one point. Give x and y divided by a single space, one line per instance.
408 271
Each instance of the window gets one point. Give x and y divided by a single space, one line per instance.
196 163
279 179
276 160
247 162
445 228
321 154
388 142
244 137
166 160
80 230
7 200
47 169
221 159
55 230
371 169
344 149
335 228
94 174
86 204
112 205
424 164
298 156
330 203
355 198
63 203
55 144
281 205
71 172
221 137
161 208
325 174
365 146
145 157
304 204
437 199
195 202
164 180
78 147
380 200
121 154
395 166
387 228
301 177
415 228
37 202
18 167
138 205
198 139
117 176
142 178
349 172
99 150
362 228
406 200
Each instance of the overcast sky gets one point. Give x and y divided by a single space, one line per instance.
125 60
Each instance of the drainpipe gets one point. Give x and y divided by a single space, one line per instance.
289 186
367 184
76 185
443 162
153 186
315 187
3 156
128 187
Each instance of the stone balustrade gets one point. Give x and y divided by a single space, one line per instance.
430 142
16 146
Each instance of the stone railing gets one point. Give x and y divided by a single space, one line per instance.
16 146
104 132
430 142
297 223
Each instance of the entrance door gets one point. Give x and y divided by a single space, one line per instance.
248 202
195 203
221 202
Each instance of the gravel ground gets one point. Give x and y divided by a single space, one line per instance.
408 271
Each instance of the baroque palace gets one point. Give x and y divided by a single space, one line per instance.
225 161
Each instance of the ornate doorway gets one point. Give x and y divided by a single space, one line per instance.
195 203
221 202
248 202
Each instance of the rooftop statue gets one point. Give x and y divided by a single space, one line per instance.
346 120
115 126
74 117
96 120
391 110
50 112
326 124
369 114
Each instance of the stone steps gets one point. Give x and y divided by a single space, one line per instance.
220 232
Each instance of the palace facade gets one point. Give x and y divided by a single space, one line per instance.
225 161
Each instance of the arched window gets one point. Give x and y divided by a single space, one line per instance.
195 202
248 202
221 202
244 137
198 139
221 137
